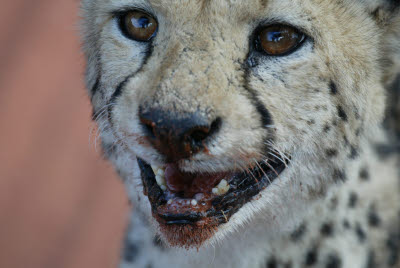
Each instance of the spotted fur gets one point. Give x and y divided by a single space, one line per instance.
337 204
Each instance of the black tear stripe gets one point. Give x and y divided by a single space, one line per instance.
93 91
99 71
96 86
121 86
266 118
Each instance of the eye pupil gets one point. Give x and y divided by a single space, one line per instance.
142 22
274 36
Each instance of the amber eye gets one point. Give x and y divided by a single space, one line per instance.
278 40
138 25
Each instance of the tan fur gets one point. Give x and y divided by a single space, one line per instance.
199 61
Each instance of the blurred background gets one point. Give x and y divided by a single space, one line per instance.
61 205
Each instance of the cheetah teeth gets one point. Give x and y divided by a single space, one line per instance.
159 172
222 188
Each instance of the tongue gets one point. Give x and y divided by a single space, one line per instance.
190 183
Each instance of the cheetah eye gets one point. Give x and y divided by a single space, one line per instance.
279 40
138 25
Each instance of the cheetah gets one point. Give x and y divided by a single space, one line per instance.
251 133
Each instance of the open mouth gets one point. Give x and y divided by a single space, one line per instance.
190 206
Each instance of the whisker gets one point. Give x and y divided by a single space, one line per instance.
271 167
277 157
262 170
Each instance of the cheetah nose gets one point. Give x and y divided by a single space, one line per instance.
177 135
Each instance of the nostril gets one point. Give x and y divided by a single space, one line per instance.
215 126
199 134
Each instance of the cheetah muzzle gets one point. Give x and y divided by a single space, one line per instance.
189 206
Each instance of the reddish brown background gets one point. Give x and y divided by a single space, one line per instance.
61 205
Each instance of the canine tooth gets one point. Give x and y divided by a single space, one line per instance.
215 191
159 180
169 202
223 187
222 184
224 190
160 172
163 187
193 202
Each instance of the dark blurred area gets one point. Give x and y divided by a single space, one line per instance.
61 205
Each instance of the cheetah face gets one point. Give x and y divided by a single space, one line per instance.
221 113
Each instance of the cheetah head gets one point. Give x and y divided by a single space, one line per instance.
224 114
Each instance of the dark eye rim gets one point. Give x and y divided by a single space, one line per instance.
119 15
257 42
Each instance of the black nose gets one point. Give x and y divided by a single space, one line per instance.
177 135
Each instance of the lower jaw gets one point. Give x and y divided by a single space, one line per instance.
191 226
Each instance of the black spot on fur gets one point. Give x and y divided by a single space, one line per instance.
311 122
333 88
358 131
333 261
360 233
334 203
341 113
327 128
353 152
131 251
364 174
339 176
346 141
288 265
272 263
386 150
346 224
373 218
371 260
353 198
392 119
393 245
252 62
298 233
327 229
356 113
311 257
331 152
